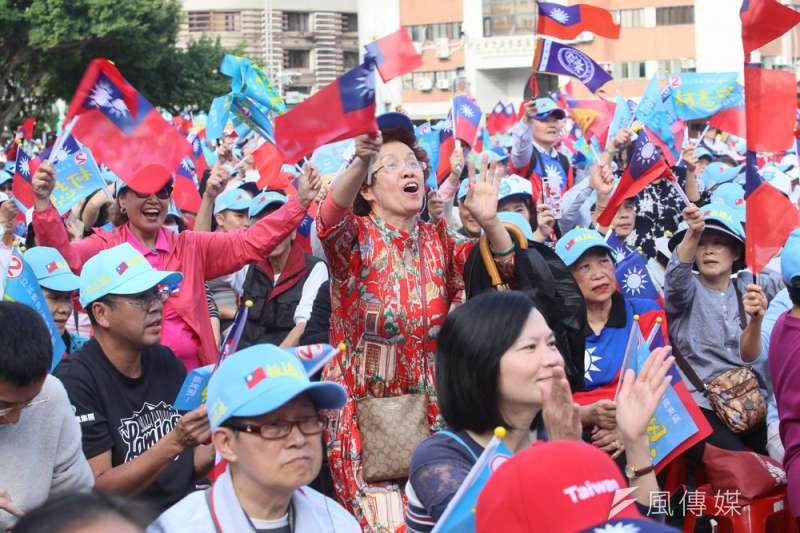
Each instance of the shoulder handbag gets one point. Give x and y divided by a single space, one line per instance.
735 395
392 427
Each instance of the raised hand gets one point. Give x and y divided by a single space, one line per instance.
456 163
216 182
368 145
689 156
755 301
193 428
44 181
562 418
309 185
8 213
639 395
601 179
544 222
530 111
694 218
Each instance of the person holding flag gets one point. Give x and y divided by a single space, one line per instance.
122 384
199 255
716 314
8 239
393 278
610 317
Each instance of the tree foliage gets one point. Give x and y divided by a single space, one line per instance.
45 46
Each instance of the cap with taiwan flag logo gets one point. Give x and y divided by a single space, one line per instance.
121 270
260 202
51 269
261 379
582 489
233 200
577 242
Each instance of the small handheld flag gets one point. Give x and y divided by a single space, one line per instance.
556 58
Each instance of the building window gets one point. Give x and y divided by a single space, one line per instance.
350 60
629 70
442 80
297 22
670 16
508 17
214 21
296 59
629 18
427 32
349 22
675 66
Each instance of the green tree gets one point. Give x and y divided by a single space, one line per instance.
46 45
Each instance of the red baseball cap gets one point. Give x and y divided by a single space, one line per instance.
558 487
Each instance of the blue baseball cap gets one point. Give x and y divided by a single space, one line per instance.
576 242
5 176
702 151
500 153
719 217
790 259
510 217
512 187
121 270
730 194
716 173
546 108
261 379
233 200
51 269
395 120
260 202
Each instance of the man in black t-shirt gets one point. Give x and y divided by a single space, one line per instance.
122 384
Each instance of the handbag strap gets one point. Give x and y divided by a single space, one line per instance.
688 371
460 441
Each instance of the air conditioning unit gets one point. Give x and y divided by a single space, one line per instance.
443 48
423 84
443 84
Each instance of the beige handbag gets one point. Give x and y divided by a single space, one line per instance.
391 429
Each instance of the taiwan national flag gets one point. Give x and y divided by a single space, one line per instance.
123 130
567 22
447 144
678 424
634 279
556 58
731 120
267 162
23 175
394 55
764 21
198 158
185 192
467 118
770 101
770 218
646 166
340 110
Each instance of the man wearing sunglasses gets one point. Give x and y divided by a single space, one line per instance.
40 441
267 422
122 384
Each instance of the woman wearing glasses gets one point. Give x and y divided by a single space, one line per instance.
186 326
393 277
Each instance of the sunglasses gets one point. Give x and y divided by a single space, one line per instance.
163 194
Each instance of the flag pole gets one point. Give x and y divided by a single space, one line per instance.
61 139
627 354
680 191
653 332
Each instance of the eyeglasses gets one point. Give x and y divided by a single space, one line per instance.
278 429
7 186
163 194
144 300
8 410
394 166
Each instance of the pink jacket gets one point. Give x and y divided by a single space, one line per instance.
200 256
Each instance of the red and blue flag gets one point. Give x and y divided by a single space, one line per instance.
764 21
567 22
770 98
123 130
22 186
394 55
633 278
185 192
467 119
447 144
340 110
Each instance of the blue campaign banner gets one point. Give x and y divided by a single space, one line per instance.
331 159
697 95
193 391
21 286
428 140
77 176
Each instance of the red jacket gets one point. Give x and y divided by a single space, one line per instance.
200 256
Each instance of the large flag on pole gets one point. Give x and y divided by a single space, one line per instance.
770 217
556 58
696 95
394 54
123 130
646 165
764 21
340 110
770 101
567 22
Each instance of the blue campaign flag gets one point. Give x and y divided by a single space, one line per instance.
672 425
252 82
331 159
315 356
654 114
459 515
218 115
697 95
21 286
429 141
623 117
633 278
77 175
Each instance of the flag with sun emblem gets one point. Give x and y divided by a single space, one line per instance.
633 279
23 174
567 22
646 165
123 130
467 118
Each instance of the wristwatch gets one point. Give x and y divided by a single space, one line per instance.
631 472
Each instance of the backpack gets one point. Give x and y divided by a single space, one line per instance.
541 274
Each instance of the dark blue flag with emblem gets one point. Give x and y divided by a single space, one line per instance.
633 279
